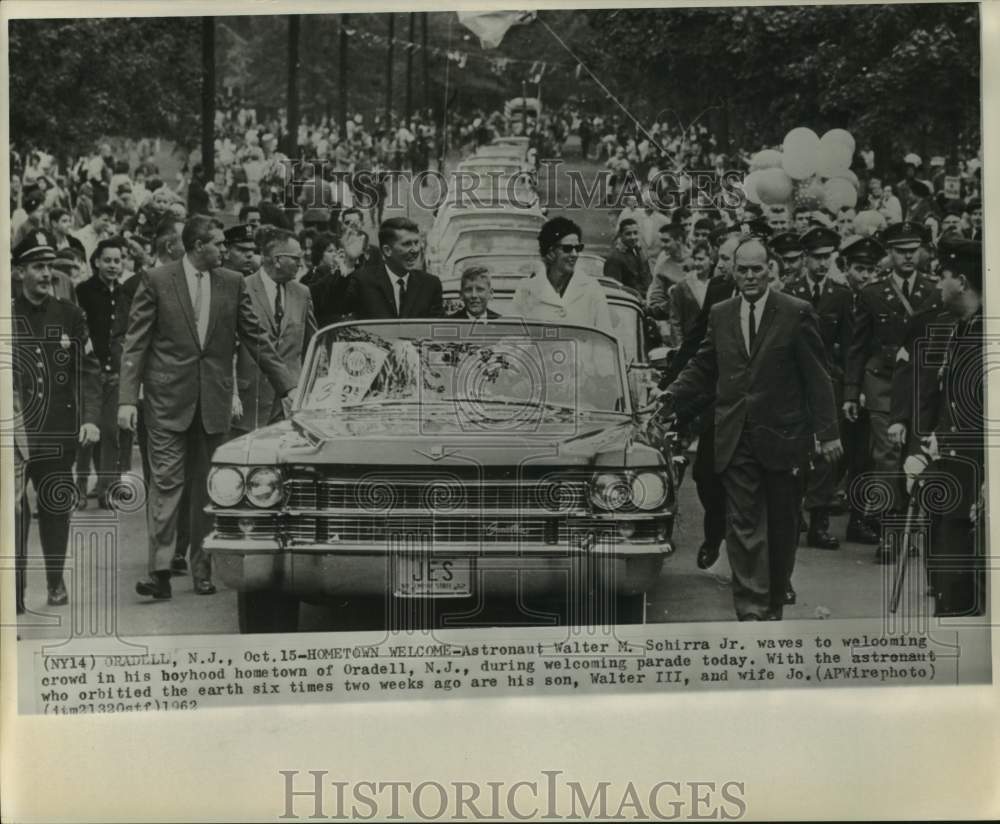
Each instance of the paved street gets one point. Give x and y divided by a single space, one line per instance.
841 584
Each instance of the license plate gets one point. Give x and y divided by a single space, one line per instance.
424 576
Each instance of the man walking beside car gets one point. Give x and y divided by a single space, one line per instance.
184 321
284 306
763 360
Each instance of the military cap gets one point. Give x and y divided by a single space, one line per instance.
863 250
758 226
921 188
820 241
962 256
906 233
786 244
35 247
240 235
32 200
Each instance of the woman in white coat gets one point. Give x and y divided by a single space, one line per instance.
562 295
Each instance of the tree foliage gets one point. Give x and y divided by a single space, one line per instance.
73 81
899 75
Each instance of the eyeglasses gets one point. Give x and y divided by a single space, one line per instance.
569 248
297 258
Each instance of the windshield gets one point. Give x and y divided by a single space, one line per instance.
485 368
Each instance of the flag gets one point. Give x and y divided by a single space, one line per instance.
491 26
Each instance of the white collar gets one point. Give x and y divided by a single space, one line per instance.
758 304
900 280
393 277
189 268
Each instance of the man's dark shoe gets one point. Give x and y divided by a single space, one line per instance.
179 565
790 596
819 536
204 587
157 586
858 532
707 555
58 596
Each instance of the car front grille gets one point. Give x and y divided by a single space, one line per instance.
437 495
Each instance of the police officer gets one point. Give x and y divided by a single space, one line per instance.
884 308
58 382
241 249
859 258
832 303
952 406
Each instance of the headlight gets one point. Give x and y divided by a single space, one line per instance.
264 486
225 486
610 491
649 490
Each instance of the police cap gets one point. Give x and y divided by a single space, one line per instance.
35 247
240 235
820 241
863 250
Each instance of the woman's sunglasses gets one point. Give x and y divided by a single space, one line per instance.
569 248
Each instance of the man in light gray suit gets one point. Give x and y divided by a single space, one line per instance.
285 309
184 322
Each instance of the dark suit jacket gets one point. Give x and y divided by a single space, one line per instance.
720 288
162 352
629 269
835 311
260 404
780 393
370 295
460 315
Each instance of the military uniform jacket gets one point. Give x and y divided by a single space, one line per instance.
880 323
56 372
954 406
918 361
835 312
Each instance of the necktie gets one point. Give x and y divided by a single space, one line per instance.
906 289
815 294
402 296
279 310
753 323
200 315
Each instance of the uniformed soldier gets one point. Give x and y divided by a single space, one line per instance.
832 303
884 308
58 382
241 249
859 258
788 249
952 407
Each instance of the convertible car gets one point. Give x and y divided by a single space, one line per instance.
446 463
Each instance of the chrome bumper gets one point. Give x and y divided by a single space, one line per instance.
321 570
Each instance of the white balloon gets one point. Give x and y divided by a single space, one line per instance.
800 153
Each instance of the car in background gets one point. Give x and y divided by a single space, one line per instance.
430 466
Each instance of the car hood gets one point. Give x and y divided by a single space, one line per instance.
412 435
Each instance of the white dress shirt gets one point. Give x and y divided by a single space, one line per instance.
191 275
394 280
758 310
271 290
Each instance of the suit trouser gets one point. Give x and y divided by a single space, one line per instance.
111 455
22 521
885 458
820 483
711 492
50 470
856 438
179 461
762 516
956 567
183 524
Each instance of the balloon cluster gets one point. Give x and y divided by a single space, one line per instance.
810 170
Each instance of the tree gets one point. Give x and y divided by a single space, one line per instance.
901 77
75 81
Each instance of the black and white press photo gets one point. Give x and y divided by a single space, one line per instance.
500 336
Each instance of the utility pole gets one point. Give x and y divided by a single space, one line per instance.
423 43
409 65
292 141
208 98
388 72
343 22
